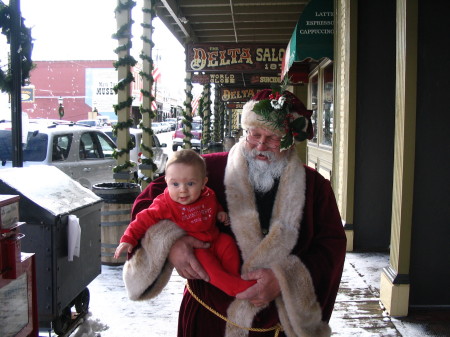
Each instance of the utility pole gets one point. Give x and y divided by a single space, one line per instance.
16 94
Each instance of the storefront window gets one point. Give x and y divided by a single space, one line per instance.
321 102
328 106
314 90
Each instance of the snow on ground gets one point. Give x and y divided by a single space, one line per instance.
112 314
363 270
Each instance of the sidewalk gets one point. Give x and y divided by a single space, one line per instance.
357 310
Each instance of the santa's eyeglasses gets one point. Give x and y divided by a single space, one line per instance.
255 138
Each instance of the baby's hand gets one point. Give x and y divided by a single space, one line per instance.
223 217
122 247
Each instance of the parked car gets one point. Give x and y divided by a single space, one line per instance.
196 131
46 121
165 126
156 127
88 122
85 154
159 157
172 122
99 121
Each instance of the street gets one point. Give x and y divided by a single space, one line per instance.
166 137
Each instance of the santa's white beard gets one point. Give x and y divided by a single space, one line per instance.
263 173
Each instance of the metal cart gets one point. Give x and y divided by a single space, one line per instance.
47 198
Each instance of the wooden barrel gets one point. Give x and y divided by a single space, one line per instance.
115 216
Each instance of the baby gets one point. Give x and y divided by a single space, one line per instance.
193 206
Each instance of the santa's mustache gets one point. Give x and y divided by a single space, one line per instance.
263 173
253 153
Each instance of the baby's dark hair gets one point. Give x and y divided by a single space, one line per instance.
188 157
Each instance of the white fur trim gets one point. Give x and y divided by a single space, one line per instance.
241 313
148 271
298 308
294 278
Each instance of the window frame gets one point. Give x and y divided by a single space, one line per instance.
318 101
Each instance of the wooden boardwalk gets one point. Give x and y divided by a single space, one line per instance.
357 310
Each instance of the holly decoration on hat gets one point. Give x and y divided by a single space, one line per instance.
277 112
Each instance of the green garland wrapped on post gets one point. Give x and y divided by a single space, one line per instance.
187 114
206 137
222 119
122 87
200 107
216 125
146 110
26 44
227 121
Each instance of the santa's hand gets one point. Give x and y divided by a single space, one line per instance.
183 259
264 291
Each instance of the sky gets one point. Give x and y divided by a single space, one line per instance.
82 30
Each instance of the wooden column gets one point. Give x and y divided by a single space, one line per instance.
147 166
122 172
394 290
345 63
206 136
187 114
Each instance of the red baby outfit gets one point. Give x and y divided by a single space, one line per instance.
221 261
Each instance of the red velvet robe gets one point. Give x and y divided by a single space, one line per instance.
320 246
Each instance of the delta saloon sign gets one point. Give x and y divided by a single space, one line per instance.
237 94
232 57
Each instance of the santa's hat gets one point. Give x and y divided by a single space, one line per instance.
280 112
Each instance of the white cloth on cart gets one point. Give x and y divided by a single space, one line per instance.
73 237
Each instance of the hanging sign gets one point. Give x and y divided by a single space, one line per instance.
215 78
313 36
27 94
237 94
99 89
260 79
232 57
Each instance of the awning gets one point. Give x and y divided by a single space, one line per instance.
312 39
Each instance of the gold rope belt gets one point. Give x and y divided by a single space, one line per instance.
277 328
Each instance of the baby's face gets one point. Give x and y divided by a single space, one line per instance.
185 183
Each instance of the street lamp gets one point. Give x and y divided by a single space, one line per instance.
61 107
